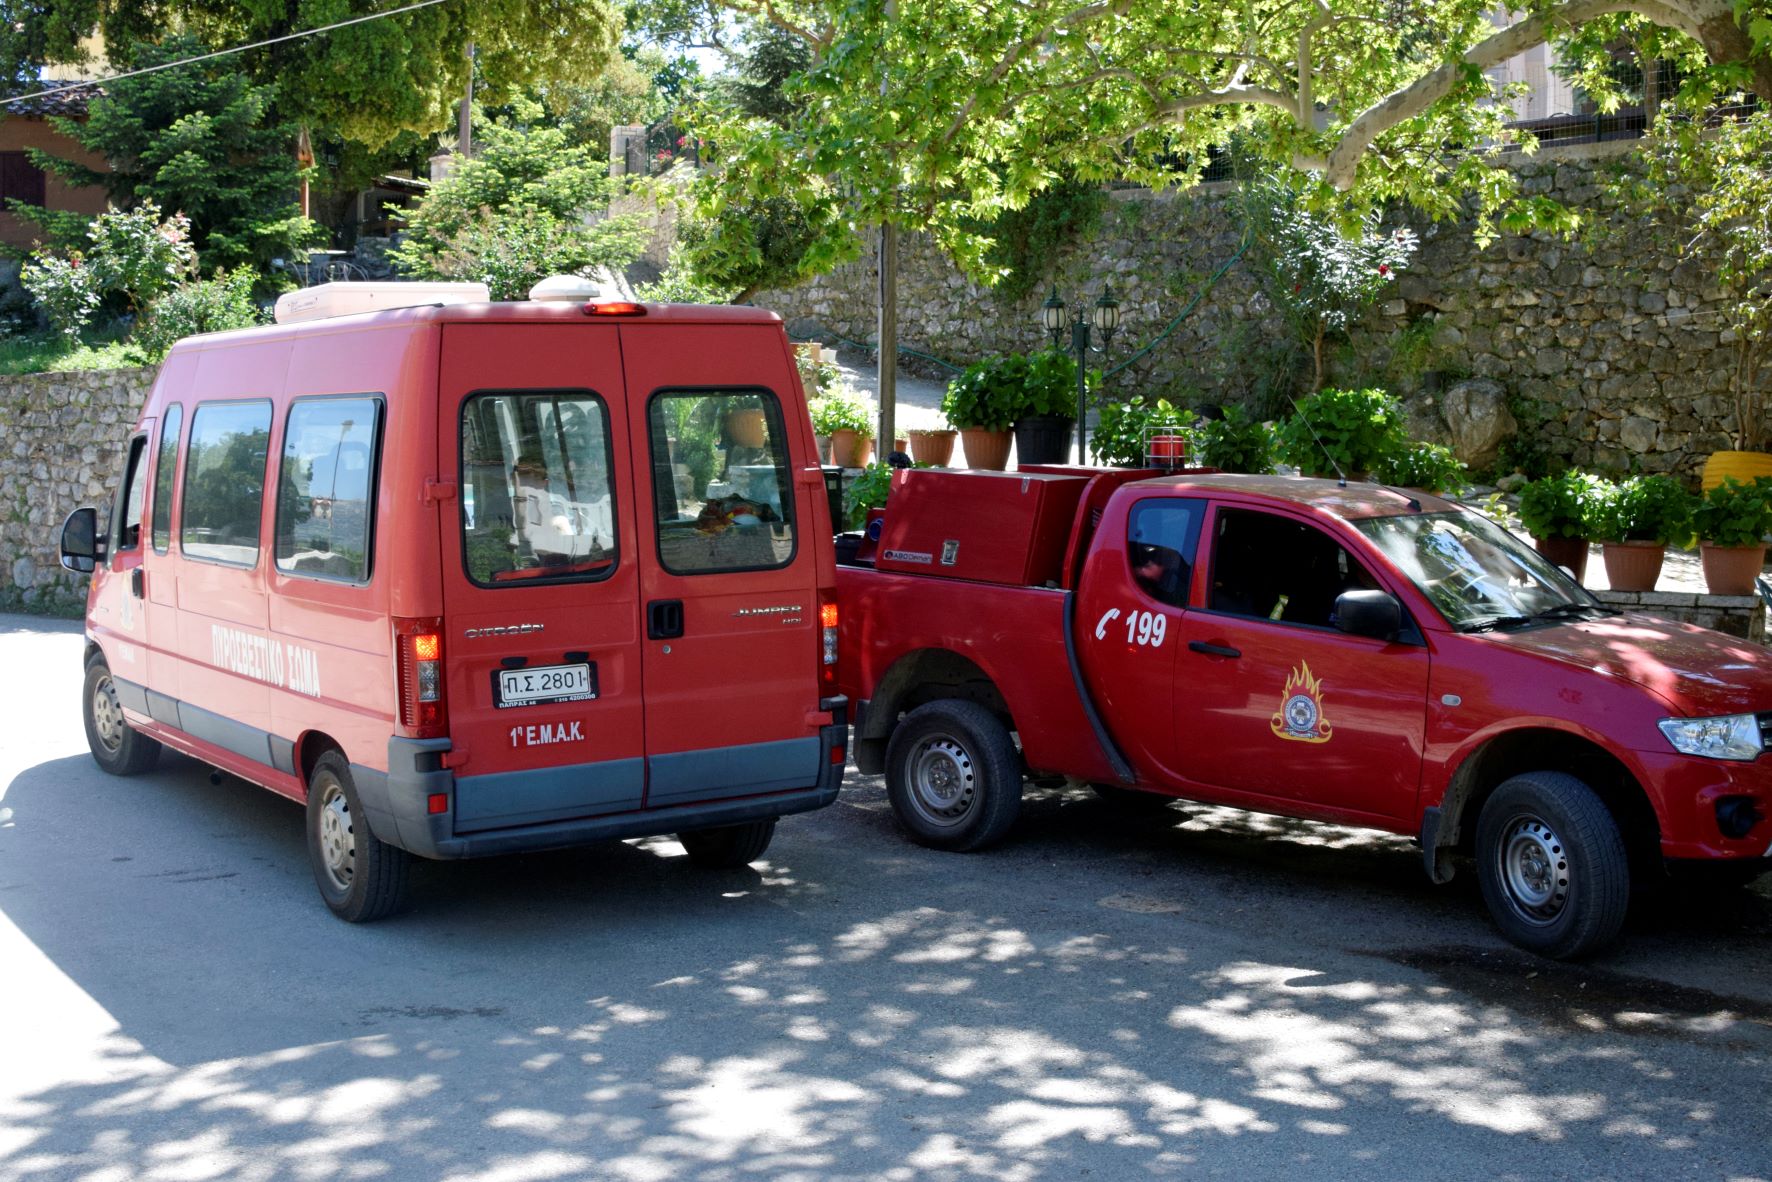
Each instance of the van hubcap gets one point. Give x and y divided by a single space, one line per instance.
338 843
943 781
107 715
1534 869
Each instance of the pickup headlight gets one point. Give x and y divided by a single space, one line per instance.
1734 736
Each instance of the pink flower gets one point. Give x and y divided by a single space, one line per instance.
681 140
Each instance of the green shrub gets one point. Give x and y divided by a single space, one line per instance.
842 412
1120 436
1645 509
1564 506
1353 431
1237 442
137 255
1430 467
1735 513
64 289
204 305
868 490
1050 387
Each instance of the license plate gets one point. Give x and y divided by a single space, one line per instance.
546 683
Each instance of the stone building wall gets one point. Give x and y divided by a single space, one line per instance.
62 440
1620 355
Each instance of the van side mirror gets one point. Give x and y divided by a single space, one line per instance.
81 545
1369 613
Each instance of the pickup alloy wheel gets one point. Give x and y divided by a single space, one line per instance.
953 775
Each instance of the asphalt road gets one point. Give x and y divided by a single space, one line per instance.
1203 993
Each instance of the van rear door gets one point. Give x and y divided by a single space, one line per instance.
541 575
729 583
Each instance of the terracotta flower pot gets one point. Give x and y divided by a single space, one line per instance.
745 427
903 444
986 449
1569 552
1633 566
935 448
1730 570
849 449
1743 465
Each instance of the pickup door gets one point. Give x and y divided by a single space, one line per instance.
1272 701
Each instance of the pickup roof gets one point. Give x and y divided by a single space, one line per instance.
1342 652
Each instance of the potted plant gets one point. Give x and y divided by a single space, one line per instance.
1129 433
1732 522
1235 442
1559 512
744 422
932 446
1638 518
869 490
1343 432
983 402
849 423
1046 415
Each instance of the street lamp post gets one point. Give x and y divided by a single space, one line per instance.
1103 317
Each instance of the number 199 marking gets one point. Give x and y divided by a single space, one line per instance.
1146 628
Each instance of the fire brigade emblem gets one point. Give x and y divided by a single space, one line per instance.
1301 709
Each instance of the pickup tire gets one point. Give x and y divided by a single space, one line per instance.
729 846
1552 865
361 877
953 776
117 747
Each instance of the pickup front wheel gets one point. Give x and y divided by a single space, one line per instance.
953 776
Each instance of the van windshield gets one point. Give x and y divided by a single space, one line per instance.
536 502
1476 573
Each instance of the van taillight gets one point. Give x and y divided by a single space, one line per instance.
418 645
827 642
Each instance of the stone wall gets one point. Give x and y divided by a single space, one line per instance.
62 439
1620 356
1742 616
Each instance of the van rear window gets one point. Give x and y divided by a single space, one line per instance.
325 490
720 482
225 481
536 501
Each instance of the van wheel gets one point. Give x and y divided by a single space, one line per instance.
1132 800
1552 865
361 877
729 846
953 776
117 747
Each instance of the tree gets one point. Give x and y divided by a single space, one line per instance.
198 141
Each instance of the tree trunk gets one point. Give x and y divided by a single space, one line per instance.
1317 360
1725 40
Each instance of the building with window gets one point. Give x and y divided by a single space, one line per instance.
27 125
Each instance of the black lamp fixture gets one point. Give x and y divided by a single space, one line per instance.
1103 318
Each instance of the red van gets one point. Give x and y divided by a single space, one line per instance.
476 579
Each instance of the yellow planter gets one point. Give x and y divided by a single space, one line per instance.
1743 465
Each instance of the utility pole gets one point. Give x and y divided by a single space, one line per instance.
887 334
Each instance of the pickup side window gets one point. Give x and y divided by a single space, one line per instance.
720 482
1278 568
1161 533
165 465
225 482
536 504
326 488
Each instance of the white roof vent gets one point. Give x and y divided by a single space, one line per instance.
573 289
349 299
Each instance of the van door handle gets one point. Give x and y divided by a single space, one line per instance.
1216 650
664 619
138 583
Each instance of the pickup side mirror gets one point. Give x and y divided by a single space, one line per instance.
81 546
1369 613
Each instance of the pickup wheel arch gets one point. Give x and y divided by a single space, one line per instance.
1451 826
918 677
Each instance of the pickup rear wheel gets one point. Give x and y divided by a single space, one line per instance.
1552 865
116 746
361 877
953 776
729 846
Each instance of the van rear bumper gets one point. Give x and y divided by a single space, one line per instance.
396 800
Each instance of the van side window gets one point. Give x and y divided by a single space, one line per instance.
135 480
1278 568
165 464
536 501
325 487
720 482
225 481
1160 537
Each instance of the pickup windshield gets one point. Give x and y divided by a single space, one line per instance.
1476 573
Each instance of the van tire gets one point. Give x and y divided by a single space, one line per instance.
953 776
116 746
728 846
361 877
1553 865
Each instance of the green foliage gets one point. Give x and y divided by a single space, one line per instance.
55 353
819 377
680 285
64 289
1120 435
1565 506
761 244
1645 509
1050 386
1735 513
1355 430
1237 442
842 412
1430 467
868 490
1525 451
998 391
202 305
137 255
1025 242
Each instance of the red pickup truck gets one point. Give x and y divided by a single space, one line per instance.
1344 652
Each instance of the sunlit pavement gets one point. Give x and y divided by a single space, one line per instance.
1106 996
